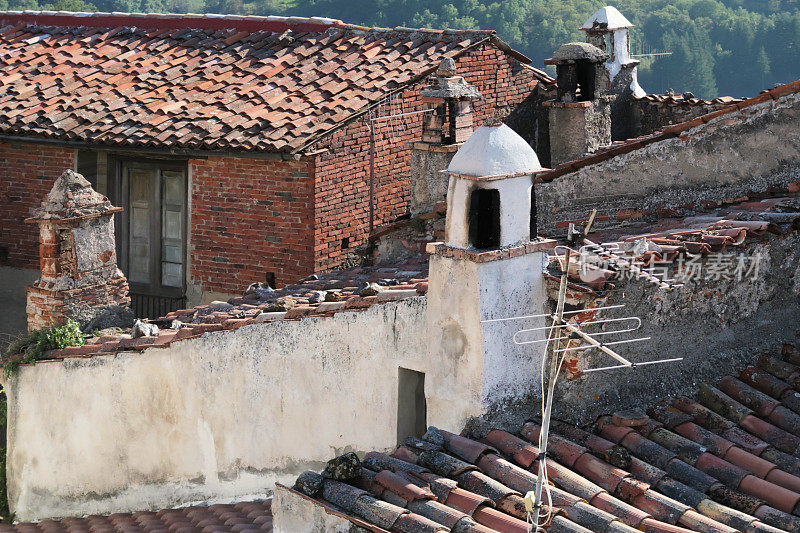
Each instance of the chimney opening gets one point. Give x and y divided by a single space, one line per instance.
345 243
270 279
585 73
484 218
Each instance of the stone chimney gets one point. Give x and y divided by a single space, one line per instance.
450 124
489 267
78 262
608 30
580 116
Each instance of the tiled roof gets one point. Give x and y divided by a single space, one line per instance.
726 461
244 517
685 99
675 130
320 295
717 231
210 82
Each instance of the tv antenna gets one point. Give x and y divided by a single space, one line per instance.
565 335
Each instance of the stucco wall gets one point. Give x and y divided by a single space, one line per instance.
489 374
734 155
225 415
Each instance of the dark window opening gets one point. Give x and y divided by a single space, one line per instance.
484 218
270 279
534 231
345 243
87 166
411 405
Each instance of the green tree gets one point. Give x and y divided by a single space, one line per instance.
74 5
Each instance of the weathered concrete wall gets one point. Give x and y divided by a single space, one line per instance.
294 513
224 415
428 183
491 373
646 116
734 155
718 327
13 301
578 128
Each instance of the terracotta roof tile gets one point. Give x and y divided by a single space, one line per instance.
682 471
206 82
294 302
241 517
670 239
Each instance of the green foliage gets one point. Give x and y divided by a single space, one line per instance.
72 5
32 347
728 47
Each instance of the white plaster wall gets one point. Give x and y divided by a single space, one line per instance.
512 288
515 205
489 371
225 415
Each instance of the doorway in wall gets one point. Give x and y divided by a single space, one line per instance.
411 406
152 233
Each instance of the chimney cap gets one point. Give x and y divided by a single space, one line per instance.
577 51
72 196
447 67
494 151
606 19
446 83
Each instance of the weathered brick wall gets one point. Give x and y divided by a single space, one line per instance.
27 173
250 217
342 173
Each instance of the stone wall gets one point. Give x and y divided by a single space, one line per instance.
648 114
717 326
755 150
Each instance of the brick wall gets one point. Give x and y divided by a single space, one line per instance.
250 217
342 174
27 173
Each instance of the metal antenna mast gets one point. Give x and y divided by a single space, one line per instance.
562 333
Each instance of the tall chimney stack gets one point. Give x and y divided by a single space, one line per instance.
78 261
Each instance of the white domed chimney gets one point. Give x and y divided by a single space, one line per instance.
490 197
608 30
490 266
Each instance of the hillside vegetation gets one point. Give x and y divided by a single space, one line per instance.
729 47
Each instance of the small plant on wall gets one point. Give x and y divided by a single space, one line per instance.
33 346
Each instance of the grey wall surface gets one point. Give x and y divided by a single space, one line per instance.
13 301
718 327
734 155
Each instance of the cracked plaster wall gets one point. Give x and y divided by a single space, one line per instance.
222 416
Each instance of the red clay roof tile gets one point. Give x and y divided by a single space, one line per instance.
203 83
